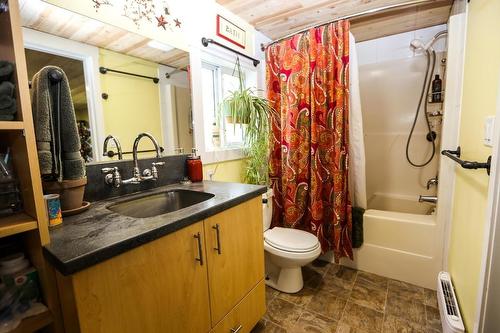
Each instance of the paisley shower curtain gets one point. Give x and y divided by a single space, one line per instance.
308 86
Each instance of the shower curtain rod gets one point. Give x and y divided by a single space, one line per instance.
350 16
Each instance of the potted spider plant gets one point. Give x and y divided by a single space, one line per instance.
244 107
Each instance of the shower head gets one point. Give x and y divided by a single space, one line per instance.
417 44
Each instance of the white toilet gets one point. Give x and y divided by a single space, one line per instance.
286 251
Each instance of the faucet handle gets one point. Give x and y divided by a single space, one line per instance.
109 170
112 177
154 170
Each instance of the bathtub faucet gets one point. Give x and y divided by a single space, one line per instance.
432 182
428 198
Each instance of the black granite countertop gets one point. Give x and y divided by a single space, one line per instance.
99 234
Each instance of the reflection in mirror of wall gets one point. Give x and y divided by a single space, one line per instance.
120 101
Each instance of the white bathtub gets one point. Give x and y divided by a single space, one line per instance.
399 240
400 203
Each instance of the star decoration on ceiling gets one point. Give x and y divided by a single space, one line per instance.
98 3
177 23
161 22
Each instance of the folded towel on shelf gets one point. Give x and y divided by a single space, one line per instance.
6 95
6 102
7 89
6 70
10 109
56 131
6 117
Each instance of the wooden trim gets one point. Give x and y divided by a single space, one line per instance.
11 125
68 303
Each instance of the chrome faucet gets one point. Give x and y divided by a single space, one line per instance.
147 174
112 153
113 176
432 182
428 198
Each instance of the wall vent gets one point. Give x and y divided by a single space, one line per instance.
451 319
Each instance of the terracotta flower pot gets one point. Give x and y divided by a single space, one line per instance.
70 191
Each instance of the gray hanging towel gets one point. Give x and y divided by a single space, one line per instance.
58 142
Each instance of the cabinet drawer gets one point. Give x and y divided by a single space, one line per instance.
246 313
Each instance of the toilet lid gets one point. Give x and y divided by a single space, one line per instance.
292 240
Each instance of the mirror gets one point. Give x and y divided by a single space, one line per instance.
121 83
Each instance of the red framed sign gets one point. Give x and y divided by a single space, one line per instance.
231 32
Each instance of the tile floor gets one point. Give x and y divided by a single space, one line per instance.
337 299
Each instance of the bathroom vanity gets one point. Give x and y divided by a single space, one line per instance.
196 269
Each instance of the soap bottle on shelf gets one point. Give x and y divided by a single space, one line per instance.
436 89
194 167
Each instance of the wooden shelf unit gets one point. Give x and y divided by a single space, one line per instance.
17 223
30 226
11 125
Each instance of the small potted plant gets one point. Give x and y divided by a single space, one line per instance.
244 107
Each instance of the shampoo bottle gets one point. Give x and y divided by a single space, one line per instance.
436 89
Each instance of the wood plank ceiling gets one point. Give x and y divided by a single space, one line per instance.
278 18
41 16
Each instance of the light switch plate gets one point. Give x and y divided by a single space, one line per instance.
489 130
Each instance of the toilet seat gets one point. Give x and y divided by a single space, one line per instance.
291 240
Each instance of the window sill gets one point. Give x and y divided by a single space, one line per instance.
217 156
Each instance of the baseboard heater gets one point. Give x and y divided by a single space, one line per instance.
451 319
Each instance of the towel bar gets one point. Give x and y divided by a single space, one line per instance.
206 41
455 156
104 70
111 153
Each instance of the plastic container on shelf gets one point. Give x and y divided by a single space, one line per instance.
19 292
10 199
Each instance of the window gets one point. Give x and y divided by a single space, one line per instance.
220 132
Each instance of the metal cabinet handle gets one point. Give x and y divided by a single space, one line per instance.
217 232
200 251
237 329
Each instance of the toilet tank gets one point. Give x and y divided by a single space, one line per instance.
267 208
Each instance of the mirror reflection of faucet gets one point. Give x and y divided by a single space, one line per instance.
112 175
110 153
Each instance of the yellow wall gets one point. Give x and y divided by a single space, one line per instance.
133 105
481 87
229 171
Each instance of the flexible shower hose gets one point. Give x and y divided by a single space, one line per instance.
425 92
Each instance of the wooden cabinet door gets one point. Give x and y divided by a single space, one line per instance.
157 287
235 255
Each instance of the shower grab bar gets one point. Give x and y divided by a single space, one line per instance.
455 156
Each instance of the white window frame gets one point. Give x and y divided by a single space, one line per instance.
222 58
219 71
